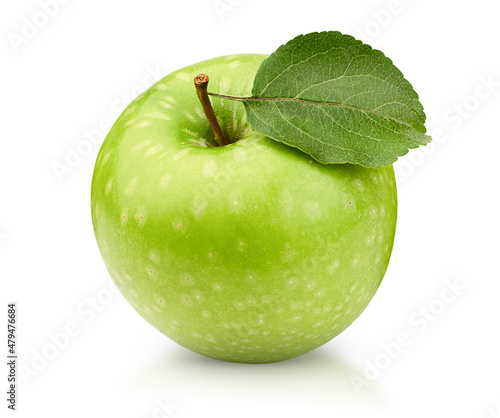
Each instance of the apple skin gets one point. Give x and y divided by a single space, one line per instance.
252 252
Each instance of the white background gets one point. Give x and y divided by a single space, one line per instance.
73 72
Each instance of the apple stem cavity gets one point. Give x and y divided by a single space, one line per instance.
201 84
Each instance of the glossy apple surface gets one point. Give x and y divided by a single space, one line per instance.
251 252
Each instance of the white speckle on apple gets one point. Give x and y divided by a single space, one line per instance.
266 299
141 145
200 113
181 154
159 115
312 211
165 180
187 280
359 185
153 150
154 256
235 121
224 83
183 76
330 269
190 116
234 64
142 124
169 99
164 104
130 122
250 279
160 86
160 300
251 301
190 132
131 186
209 169
200 142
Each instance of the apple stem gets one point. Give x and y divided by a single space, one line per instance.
201 84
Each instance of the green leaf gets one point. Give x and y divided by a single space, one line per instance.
338 100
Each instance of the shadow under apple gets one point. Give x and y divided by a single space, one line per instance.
321 376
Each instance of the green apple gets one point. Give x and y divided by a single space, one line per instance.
251 252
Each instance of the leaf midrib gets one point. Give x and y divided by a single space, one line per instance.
294 99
